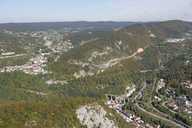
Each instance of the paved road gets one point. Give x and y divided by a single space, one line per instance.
164 114
175 122
159 117
17 55
116 61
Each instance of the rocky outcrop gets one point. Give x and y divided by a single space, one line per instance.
94 116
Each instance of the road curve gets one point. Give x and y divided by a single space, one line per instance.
176 123
162 118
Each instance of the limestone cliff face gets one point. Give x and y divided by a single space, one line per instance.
94 116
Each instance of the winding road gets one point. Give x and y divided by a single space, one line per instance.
173 122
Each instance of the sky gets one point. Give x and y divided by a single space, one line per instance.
94 10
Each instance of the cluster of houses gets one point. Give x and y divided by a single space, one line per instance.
160 84
181 104
62 46
117 103
176 103
187 84
34 66
57 42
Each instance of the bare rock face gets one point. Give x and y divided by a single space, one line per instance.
94 116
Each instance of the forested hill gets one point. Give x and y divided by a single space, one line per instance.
53 73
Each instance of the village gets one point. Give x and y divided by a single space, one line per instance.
118 102
182 103
34 66
173 102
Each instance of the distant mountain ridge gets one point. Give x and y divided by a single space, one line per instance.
101 25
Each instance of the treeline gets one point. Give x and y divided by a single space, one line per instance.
41 114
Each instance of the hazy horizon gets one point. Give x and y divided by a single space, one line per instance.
22 11
18 22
